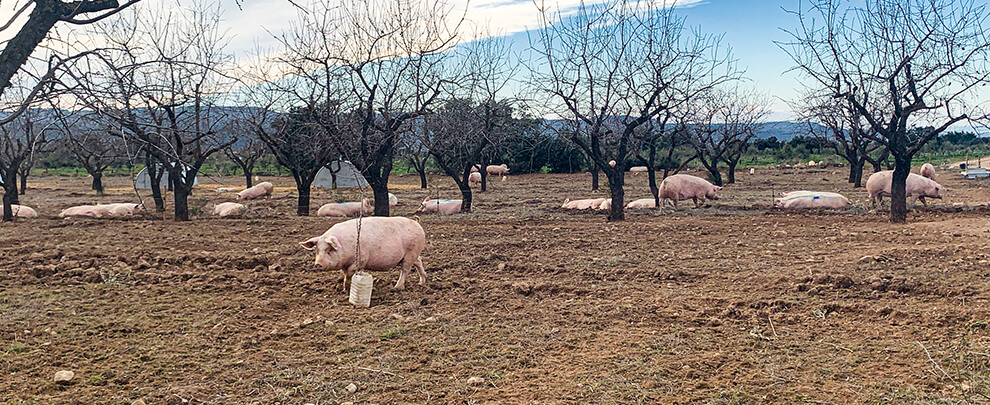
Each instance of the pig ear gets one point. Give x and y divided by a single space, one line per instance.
311 243
333 242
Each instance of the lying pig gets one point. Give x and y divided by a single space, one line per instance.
23 211
605 205
582 204
497 170
385 243
123 209
91 211
643 203
811 199
681 187
475 177
229 209
345 209
259 190
446 207
878 185
927 170
638 169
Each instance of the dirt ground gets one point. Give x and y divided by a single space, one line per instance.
732 303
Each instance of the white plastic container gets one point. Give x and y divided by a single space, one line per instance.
361 285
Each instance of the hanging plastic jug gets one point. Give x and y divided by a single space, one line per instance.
361 285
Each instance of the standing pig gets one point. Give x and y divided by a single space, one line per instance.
928 171
643 203
345 209
260 190
811 199
23 211
878 185
385 243
446 207
499 170
475 177
582 204
229 209
687 187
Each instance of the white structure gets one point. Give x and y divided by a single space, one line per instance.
143 180
347 176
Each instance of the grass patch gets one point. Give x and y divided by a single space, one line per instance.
17 348
392 333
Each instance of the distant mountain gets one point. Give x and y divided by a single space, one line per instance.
786 130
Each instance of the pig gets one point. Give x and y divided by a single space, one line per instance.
475 168
638 169
123 209
229 209
582 204
611 163
23 211
474 178
878 185
385 243
392 200
345 209
686 187
928 171
446 207
605 205
643 203
92 211
811 199
499 170
259 190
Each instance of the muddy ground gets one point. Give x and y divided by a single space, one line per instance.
731 303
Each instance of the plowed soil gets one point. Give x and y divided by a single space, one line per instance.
734 302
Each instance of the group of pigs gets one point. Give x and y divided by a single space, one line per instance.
492 170
680 187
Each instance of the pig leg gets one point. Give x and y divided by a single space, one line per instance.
421 270
406 266
348 273
696 205
922 199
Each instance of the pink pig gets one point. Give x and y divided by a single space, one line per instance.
446 207
878 185
811 199
681 187
582 204
928 171
475 177
385 243
123 209
229 209
92 211
23 211
643 203
497 170
345 209
259 190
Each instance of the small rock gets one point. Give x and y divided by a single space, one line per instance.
430 319
501 267
813 292
306 322
397 317
138 402
866 259
475 381
352 388
522 287
64 376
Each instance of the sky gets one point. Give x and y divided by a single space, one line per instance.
750 28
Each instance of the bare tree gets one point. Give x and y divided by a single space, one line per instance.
743 115
247 150
19 140
613 62
417 154
385 61
897 62
842 126
162 80
91 142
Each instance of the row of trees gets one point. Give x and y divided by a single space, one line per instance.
369 82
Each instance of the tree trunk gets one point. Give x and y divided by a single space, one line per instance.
248 181
180 202
24 176
731 172
466 195
98 182
9 193
302 203
616 179
898 195
856 172
654 189
422 177
12 191
594 176
380 190
483 169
